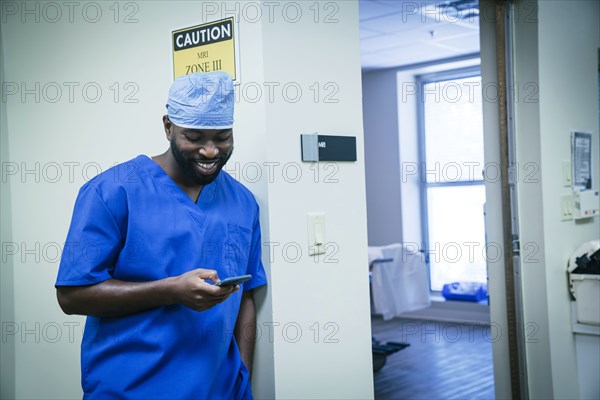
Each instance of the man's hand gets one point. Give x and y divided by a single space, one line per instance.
191 290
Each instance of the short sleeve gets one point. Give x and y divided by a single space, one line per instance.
255 266
93 243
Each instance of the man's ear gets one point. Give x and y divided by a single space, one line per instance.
168 125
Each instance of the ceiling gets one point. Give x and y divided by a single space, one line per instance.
395 33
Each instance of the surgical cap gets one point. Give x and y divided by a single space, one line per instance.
202 101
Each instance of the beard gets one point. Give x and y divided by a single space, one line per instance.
188 165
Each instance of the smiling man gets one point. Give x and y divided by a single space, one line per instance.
148 240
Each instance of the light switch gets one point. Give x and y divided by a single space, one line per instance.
316 233
566 207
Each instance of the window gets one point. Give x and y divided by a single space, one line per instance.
452 186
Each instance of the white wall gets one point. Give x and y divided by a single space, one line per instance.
408 105
380 113
79 137
7 304
559 51
330 291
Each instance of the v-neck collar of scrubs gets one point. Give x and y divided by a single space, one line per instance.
199 209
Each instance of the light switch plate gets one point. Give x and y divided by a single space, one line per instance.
316 233
566 207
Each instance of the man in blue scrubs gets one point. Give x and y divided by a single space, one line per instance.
147 241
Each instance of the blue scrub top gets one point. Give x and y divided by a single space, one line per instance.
134 223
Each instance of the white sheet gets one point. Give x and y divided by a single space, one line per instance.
401 285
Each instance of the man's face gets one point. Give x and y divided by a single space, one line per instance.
201 153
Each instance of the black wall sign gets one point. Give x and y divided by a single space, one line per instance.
328 148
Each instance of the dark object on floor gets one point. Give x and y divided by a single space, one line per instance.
382 350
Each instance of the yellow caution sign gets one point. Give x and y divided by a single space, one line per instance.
205 48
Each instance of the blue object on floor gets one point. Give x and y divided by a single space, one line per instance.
465 291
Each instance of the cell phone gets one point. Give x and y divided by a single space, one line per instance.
234 280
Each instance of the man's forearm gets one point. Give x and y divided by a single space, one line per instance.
245 329
114 298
